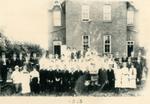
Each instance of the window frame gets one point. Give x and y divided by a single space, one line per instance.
85 13
107 13
55 22
130 17
104 44
88 43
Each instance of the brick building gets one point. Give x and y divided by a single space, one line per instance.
107 26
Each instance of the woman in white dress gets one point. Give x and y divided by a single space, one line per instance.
15 76
118 77
132 77
25 81
125 76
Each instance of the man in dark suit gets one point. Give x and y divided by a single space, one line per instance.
27 62
102 78
117 57
14 61
35 61
4 67
133 58
124 58
139 67
20 60
129 63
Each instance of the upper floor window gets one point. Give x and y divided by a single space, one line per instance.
56 18
107 44
130 16
107 13
85 13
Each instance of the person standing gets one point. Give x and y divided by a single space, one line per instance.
133 58
118 77
20 60
27 62
117 57
129 63
132 76
4 67
15 76
25 81
14 62
34 85
139 67
125 76
35 61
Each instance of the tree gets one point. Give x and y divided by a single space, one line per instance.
16 47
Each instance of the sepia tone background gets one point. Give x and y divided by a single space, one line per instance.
25 20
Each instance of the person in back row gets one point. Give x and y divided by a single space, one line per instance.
4 67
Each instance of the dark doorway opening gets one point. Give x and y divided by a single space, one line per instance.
130 48
57 50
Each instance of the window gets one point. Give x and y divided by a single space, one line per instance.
107 13
130 17
56 18
86 42
85 13
107 44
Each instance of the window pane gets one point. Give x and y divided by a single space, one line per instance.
85 42
85 12
107 13
107 44
130 17
57 18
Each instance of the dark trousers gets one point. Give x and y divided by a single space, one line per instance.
34 85
4 75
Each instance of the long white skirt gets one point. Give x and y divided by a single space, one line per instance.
25 88
125 81
118 83
132 83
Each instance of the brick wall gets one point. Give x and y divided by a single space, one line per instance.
75 28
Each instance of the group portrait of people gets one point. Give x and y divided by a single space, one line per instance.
30 73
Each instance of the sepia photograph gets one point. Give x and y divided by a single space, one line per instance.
72 48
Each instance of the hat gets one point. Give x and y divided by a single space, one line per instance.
16 67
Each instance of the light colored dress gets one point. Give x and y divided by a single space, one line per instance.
132 75
25 82
15 76
34 74
125 76
118 78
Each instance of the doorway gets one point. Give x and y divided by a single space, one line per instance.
57 50
130 48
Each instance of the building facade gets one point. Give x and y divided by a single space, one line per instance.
106 26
